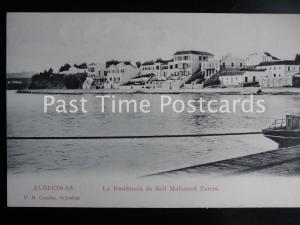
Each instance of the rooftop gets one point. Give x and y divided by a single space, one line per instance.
162 61
148 63
280 62
192 52
231 72
273 57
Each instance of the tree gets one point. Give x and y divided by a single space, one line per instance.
65 67
81 66
111 62
297 58
138 64
50 71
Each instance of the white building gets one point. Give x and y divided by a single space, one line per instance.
259 57
186 63
237 77
231 77
98 72
229 61
281 72
158 67
210 67
119 74
147 68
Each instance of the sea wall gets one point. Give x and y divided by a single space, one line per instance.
223 91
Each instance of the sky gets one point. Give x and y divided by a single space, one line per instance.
38 41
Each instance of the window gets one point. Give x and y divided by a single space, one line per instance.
241 64
176 66
157 67
171 66
289 68
246 79
274 74
200 57
289 122
254 78
296 124
232 64
224 64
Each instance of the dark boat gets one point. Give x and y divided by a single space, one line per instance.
286 132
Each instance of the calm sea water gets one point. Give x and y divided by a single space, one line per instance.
132 157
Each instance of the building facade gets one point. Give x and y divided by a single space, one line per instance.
98 72
147 67
186 63
229 61
120 74
236 77
280 72
259 57
210 67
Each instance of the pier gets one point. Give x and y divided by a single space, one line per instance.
282 161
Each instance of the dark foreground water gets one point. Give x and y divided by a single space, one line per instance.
133 157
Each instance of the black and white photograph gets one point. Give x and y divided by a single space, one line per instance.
153 110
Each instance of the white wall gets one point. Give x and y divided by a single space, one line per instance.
120 74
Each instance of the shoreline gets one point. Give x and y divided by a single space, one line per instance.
224 91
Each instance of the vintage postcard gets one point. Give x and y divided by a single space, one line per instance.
153 110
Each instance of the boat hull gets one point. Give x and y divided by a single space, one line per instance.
283 137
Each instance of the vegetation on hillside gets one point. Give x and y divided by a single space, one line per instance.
50 80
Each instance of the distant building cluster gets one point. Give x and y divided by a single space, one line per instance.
193 69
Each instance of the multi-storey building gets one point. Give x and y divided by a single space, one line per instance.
241 77
281 71
229 61
186 63
259 57
98 72
210 67
147 68
120 73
